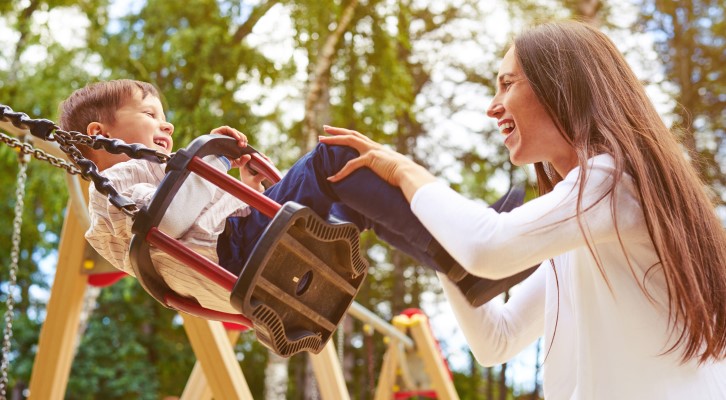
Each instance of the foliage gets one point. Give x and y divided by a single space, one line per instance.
132 347
410 74
691 44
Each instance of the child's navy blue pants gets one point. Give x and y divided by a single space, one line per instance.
362 198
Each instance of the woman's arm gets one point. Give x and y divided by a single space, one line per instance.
498 331
493 245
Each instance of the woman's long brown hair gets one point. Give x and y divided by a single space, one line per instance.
590 91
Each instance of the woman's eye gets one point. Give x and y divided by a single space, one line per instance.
506 84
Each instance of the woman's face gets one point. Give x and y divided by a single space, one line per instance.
530 134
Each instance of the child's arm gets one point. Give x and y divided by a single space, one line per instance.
192 198
196 193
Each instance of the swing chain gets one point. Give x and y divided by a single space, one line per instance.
49 131
23 159
27 148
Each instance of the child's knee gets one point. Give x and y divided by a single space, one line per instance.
334 157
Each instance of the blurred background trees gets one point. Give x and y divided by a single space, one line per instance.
417 75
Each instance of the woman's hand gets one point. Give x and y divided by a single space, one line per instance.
394 168
384 162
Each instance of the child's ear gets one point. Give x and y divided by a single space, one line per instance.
96 128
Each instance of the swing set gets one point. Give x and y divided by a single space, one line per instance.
297 285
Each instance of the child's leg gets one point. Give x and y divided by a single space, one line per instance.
402 243
370 203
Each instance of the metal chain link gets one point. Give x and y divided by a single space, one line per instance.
27 148
49 131
23 159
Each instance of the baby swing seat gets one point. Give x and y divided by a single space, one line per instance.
298 281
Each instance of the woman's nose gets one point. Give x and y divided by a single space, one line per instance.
495 110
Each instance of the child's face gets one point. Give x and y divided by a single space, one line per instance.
142 120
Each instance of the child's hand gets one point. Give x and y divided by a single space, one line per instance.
246 175
233 133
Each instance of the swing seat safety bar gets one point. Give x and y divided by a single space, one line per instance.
298 281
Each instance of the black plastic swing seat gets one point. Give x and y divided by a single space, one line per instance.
298 281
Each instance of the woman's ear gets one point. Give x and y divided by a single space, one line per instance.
96 128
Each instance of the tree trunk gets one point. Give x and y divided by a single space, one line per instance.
399 288
311 387
474 377
503 371
503 382
683 67
18 389
537 368
317 94
276 377
490 383
349 359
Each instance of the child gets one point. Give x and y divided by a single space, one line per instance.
210 221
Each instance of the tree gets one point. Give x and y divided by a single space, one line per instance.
32 85
690 39
414 75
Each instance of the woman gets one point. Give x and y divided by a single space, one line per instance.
631 291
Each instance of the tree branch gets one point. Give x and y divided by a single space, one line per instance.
322 70
259 11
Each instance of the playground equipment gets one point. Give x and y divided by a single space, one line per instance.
271 292
217 371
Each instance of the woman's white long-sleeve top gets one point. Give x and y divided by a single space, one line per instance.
603 337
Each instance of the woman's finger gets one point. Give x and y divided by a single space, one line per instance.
361 144
332 130
263 155
350 167
335 131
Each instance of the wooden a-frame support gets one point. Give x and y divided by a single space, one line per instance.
396 376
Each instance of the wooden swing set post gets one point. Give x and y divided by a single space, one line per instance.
326 368
396 372
59 332
214 353
428 350
197 387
